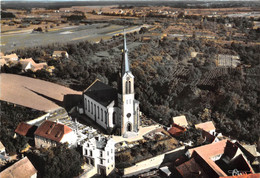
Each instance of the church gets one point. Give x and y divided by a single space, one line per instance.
114 108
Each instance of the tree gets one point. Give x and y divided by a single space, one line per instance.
59 161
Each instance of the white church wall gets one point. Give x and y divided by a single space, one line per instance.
96 111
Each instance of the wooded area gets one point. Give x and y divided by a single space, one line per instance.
168 85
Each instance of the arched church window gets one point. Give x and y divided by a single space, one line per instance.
129 86
114 117
129 127
126 88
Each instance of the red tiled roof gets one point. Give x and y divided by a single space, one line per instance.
207 126
211 150
191 169
23 128
22 168
176 130
52 130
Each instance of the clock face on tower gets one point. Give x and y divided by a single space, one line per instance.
128 115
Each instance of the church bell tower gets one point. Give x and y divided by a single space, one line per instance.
129 106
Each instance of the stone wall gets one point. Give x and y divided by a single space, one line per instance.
151 163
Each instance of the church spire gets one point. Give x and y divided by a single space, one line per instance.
125 57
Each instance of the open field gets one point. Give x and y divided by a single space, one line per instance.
32 93
92 33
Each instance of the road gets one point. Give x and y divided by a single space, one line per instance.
93 33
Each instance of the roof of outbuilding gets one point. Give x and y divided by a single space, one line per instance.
52 130
176 130
180 120
25 129
22 168
191 169
207 126
101 93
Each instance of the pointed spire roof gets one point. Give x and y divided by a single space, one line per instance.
125 55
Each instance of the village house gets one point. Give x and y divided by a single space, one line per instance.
59 54
7 59
114 109
216 160
99 152
22 168
29 64
207 126
176 130
181 121
10 57
25 129
50 133
2 149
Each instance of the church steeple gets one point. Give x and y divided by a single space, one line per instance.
125 64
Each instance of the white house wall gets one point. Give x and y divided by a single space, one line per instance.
91 152
71 138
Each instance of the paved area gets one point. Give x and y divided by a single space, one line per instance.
141 133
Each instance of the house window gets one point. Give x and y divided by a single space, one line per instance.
105 117
95 111
86 152
114 117
98 111
91 108
101 154
111 150
90 153
101 114
88 106
108 161
107 153
92 162
101 161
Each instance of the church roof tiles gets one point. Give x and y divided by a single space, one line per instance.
101 93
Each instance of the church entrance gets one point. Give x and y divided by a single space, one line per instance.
129 127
